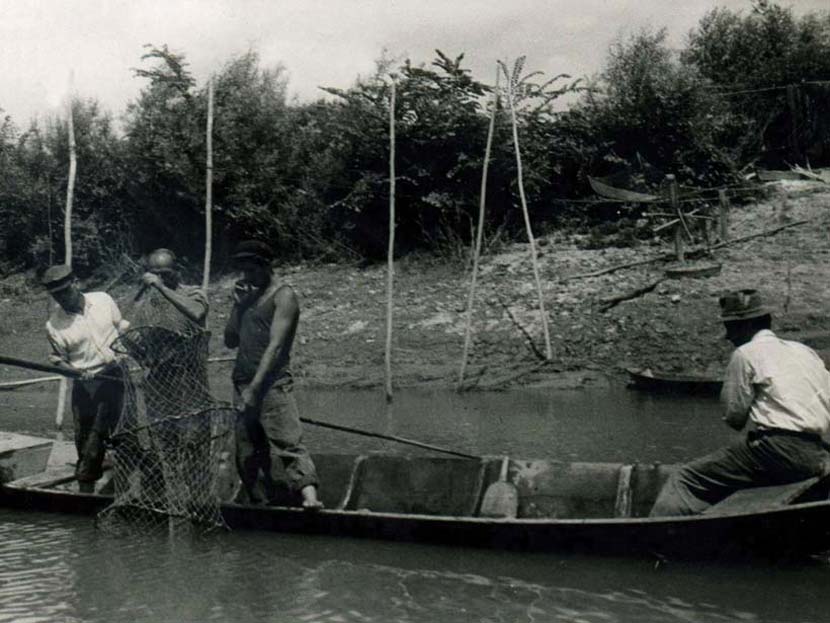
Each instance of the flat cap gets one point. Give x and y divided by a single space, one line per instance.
742 305
253 250
57 277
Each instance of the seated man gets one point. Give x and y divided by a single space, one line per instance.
81 330
783 389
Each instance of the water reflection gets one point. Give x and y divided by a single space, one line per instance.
64 570
58 568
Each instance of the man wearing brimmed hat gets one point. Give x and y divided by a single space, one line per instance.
81 329
262 326
783 389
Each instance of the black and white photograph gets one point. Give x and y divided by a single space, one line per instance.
351 311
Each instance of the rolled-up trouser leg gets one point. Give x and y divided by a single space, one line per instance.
281 422
272 428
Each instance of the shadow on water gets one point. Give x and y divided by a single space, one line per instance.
61 569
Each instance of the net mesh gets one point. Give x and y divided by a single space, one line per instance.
173 439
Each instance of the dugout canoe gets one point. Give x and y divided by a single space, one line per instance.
596 508
650 380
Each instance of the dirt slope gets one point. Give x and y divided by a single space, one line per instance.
674 327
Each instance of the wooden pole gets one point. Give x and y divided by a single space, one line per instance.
723 215
795 152
208 191
533 258
479 235
681 223
390 260
67 233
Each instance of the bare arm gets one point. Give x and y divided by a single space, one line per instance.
193 308
286 312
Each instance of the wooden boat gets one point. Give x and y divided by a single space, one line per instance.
649 380
564 507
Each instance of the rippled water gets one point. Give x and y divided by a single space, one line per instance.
59 568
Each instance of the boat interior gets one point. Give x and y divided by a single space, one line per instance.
441 486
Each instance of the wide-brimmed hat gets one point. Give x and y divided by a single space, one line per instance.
252 250
57 277
742 305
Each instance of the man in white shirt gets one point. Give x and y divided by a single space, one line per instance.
783 389
81 330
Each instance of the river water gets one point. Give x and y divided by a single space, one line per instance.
59 568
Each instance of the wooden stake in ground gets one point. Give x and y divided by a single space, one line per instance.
208 191
533 258
390 268
67 234
479 236
723 215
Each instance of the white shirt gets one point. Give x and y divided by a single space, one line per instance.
85 339
777 384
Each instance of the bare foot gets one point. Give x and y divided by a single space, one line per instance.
310 501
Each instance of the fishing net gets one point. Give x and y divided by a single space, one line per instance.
173 439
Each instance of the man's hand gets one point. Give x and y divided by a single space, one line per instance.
250 397
86 375
151 279
243 293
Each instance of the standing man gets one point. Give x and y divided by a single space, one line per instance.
176 381
262 326
81 330
783 389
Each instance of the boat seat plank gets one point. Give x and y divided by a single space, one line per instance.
49 478
758 499
622 505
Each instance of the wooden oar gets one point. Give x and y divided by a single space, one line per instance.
501 500
45 367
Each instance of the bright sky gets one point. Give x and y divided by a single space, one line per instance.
321 42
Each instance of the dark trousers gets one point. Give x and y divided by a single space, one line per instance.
96 406
272 428
755 461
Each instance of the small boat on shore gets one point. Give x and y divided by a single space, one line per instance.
654 381
562 507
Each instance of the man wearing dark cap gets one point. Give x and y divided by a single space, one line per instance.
262 327
783 389
81 329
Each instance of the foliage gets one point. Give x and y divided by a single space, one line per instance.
752 57
312 177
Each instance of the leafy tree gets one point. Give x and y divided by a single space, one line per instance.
651 114
753 57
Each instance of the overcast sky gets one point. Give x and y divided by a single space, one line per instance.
321 42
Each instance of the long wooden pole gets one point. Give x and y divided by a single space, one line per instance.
533 257
67 232
403 440
390 260
208 191
479 235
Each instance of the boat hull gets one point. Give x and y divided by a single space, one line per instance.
790 531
